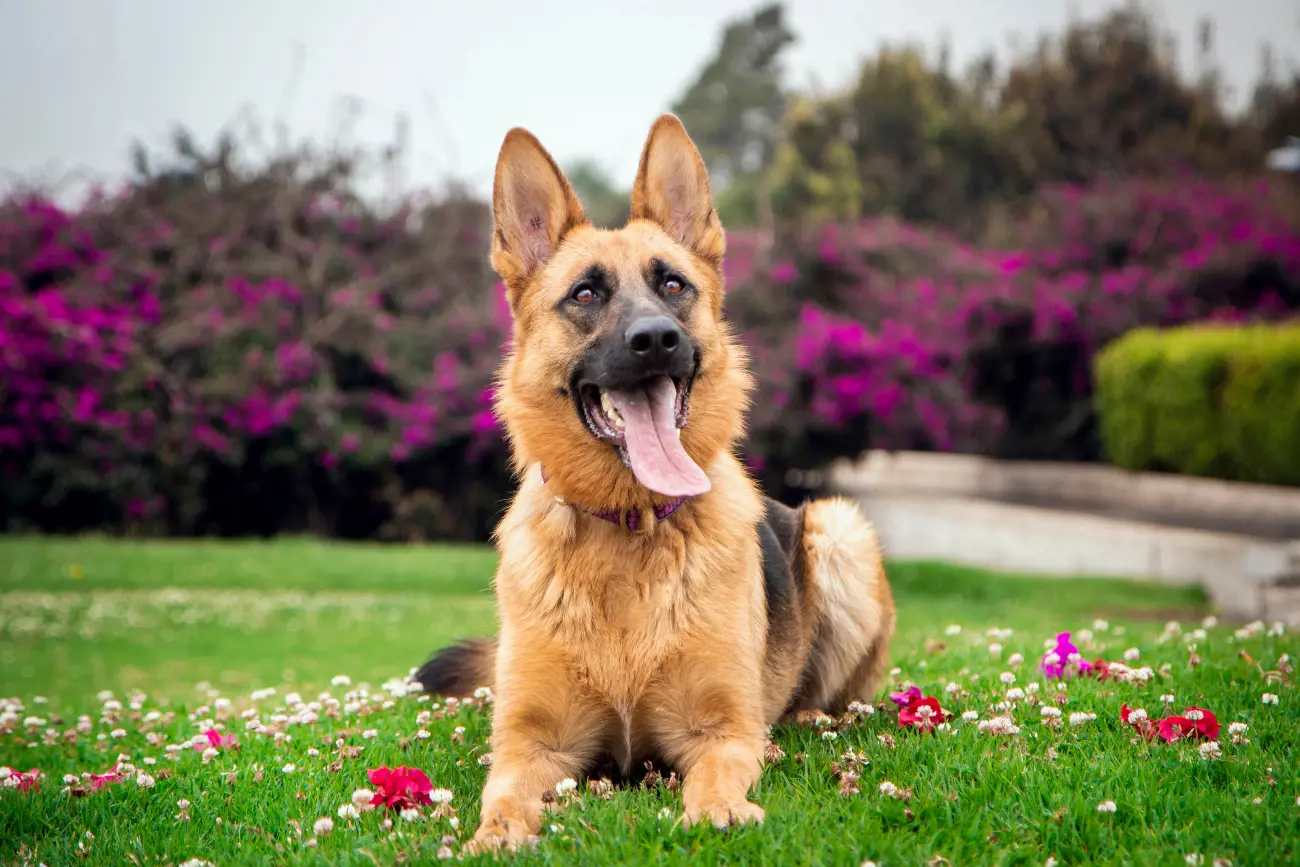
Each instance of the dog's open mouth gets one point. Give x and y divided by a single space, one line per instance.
644 424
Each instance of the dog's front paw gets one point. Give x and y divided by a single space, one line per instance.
499 834
723 814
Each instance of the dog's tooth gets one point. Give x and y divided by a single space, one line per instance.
608 406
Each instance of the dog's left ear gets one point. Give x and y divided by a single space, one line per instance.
672 189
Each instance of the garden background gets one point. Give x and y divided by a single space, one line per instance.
237 340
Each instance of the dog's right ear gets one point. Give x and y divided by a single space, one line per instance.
533 208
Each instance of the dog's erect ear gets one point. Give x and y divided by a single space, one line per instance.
533 208
672 189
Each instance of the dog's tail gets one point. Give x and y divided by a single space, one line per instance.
458 670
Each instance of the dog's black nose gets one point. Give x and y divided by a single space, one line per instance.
654 338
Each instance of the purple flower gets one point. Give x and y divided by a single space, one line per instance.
906 697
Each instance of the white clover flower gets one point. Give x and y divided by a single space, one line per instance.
861 708
1269 698
1166 699
348 811
1078 718
1100 625
370 734
1193 859
70 779
340 680
995 650
1015 659
1050 712
1015 694
483 693
888 789
312 752
1007 677
970 715
410 814
952 688
1277 629
1106 807
1031 688
1132 654
830 735
1211 750
1084 635
362 798
1237 728
999 725
289 768
423 734
565 786
953 629
1195 715
1052 658
1137 715
1210 622
323 826
118 733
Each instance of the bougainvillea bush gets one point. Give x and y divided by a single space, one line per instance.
233 352
225 349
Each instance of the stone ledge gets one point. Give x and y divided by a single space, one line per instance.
1265 511
1240 573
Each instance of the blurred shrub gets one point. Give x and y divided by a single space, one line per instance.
1096 262
1207 401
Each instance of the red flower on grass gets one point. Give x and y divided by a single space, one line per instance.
1195 722
400 788
1102 668
922 713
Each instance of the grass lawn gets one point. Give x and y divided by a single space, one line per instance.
182 634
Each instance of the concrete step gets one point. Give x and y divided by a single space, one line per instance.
1246 576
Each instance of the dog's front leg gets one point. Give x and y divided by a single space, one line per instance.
544 729
709 724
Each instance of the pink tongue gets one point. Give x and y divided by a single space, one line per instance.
653 448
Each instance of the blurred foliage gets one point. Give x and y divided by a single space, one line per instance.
1207 401
912 138
923 260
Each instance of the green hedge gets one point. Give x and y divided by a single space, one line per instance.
1204 400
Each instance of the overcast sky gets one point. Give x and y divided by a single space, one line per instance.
79 79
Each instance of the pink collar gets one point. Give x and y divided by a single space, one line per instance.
631 519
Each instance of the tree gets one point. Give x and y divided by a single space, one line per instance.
734 107
604 205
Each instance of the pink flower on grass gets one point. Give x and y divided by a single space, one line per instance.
99 781
400 788
29 781
214 739
1064 659
906 697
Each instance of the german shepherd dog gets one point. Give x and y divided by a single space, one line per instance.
652 603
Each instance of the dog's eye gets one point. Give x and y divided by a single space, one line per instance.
672 286
584 294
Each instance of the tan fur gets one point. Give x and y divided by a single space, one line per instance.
656 642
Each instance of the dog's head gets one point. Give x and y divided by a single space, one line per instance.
622 377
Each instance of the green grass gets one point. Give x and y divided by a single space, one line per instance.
187 622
